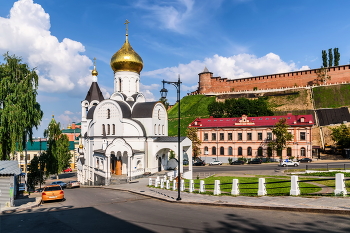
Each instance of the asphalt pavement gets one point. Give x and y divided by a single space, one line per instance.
336 205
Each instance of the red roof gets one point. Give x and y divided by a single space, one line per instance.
244 121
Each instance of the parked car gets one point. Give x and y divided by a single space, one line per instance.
21 187
61 183
73 184
215 162
255 161
238 162
199 163
285 163
52 192
305 160
67 170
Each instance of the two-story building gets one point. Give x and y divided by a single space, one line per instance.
248 137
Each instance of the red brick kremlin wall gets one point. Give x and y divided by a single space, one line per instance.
209 84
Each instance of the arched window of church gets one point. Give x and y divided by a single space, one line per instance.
159 129
108 113
120 84
108 129
103 129
113 129
155 129
163 129
97 163
158 114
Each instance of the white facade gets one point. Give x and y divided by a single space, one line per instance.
124 136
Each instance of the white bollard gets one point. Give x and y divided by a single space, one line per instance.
150 181
165 177
182 185
167 184
217 190
201 186
340 189
191 188
174 185
171 177
156 183
294 186
262 187
161 183
235 189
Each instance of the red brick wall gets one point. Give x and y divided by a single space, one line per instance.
209 84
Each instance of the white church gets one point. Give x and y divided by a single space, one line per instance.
125 136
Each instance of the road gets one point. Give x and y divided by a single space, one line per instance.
253 168
102 210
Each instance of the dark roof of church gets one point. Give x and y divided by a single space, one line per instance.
125 109
94 93
143 110
91 111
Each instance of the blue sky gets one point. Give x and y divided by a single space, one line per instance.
232 38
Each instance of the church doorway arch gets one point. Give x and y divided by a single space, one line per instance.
113 162
118 170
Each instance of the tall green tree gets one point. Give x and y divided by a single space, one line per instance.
58 154
196 142
336 56
324 58
35 175
19 110
341 136
281 136
322 75
330 58
216 109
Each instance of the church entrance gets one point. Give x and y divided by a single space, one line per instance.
118 170
116 165
159 164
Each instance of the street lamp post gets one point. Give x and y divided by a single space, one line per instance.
163 93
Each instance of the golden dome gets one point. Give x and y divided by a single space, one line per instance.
81 146
94 72
126 59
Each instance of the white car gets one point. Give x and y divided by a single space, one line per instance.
215 162
285 163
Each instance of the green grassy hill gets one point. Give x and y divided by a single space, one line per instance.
332 96
192 106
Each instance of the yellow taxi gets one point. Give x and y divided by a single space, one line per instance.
52 192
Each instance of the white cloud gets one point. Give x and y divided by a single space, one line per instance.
234 67
65 120
146 91
67 112
26 33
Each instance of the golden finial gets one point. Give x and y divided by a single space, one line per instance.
94 71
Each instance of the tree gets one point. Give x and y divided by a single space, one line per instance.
322 75
324 58
165 103
19 110
341 136
281 136
58 155
336 56
35 175
216 109
193 136
330 58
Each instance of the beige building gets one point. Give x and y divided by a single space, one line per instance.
248 137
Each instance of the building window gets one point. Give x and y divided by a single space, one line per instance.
155 129
222 137
249 151
205 137
249 136
108 129
260 151
103 129
113 129
260 136
230 150
239 136
206 150
289 151
302 151
213 150
222 150
159 132
108 114
163 129
269 151
302 136
269 136
213 136
239 150
229 135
